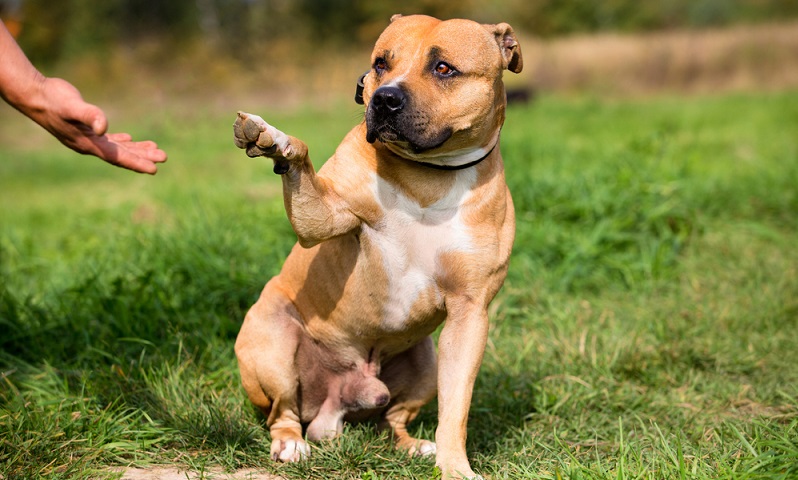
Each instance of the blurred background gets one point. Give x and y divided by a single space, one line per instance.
290 51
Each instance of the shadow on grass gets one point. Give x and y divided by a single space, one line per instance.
141 348
170 290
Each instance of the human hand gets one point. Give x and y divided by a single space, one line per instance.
83 127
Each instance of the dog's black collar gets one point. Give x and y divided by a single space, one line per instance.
458 167
359 90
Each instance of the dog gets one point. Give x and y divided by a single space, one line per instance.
409 225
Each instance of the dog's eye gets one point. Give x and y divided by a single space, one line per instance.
380 65
444 69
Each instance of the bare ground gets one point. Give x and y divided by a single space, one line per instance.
171 473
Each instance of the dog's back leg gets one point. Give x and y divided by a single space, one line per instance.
266 348
411 378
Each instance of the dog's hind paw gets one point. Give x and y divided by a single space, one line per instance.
288 451
418 448
423 448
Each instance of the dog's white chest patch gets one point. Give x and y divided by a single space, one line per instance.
411 239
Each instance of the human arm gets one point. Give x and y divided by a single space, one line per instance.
58 107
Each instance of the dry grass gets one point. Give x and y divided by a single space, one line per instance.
741 58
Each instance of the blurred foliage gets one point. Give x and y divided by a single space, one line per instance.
55 30
557 17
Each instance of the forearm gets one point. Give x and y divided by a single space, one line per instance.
461 346
20 81
316 212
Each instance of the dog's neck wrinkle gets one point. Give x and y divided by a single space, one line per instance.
452 160
416 182
427 186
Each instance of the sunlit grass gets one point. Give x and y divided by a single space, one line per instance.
646 329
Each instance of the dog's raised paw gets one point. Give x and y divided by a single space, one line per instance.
259 139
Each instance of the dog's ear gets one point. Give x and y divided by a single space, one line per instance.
359 89
511 50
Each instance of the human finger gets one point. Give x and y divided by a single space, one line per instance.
144 148
140 157
119 137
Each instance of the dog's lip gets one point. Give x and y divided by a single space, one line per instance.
383 132
372 135
386 134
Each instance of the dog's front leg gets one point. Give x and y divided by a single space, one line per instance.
315 210
460 349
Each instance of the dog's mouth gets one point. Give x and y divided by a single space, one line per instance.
415 141
394 119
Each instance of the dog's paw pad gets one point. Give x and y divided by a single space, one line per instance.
247 129
253 129
258 138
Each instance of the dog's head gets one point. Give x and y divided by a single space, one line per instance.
434 92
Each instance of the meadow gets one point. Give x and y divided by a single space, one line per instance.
647 328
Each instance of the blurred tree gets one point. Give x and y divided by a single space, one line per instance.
363 20
558 17
145 17
55 29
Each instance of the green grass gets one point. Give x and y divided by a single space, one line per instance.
647 328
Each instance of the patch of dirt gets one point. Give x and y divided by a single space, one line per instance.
167 473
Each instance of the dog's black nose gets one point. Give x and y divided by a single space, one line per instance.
388 99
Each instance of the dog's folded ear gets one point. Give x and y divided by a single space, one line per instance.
508 43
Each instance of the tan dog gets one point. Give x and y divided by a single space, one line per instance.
408 225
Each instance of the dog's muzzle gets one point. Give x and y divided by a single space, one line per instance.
391 118
382 116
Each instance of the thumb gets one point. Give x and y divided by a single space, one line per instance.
92 116
71 106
